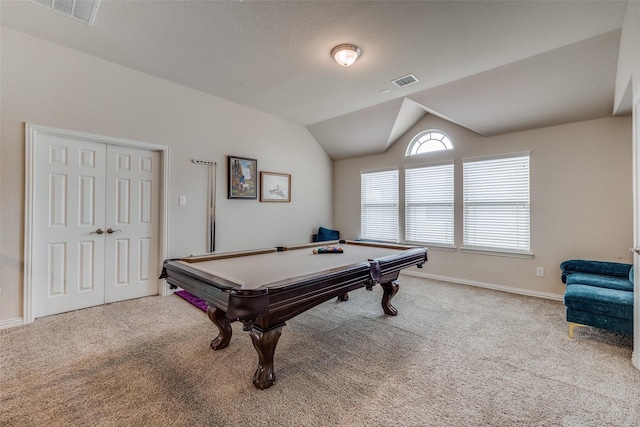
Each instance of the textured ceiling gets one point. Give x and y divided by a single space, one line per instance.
493 67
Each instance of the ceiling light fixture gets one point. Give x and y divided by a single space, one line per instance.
345 54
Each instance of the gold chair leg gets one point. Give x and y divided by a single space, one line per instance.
571 326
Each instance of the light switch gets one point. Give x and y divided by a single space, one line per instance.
183 200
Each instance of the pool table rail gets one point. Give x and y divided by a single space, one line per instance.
236 302
306 292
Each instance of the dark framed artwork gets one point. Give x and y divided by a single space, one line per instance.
275 187
243 178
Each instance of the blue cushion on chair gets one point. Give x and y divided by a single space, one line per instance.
601 281
327 234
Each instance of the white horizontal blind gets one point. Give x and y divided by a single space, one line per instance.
496 204
429 204
379 206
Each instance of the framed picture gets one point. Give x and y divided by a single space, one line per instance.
275 187
243 178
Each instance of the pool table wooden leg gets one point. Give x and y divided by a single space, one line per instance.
265 342
219 318
390 290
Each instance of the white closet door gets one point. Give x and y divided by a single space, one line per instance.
96 223
69 203
132 194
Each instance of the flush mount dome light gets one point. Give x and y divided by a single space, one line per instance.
345 54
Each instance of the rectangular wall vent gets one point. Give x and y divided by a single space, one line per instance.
84 10
405 80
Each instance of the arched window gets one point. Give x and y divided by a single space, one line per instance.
429 141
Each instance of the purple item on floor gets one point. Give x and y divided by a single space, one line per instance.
201 304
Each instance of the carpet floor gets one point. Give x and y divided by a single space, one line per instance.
454 356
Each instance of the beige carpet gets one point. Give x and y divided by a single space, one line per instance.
454 356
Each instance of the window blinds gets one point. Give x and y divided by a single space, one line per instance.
496 204
429 205
379 205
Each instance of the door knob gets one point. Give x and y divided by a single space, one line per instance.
111 230
636 250
98 231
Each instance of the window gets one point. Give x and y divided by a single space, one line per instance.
496 204
429 205
429 141
379 206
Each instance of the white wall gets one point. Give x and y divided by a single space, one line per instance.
581 199
629 56
45 84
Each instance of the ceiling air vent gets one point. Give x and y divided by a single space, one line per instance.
84 10
405 80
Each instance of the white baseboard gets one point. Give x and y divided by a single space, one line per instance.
502 288
10 323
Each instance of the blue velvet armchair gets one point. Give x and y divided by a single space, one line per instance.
598 294
325 234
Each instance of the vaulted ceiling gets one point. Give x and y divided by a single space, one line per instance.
490 66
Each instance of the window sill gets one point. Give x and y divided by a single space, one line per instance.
497 252
434 246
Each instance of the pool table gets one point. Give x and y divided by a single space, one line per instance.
264 288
